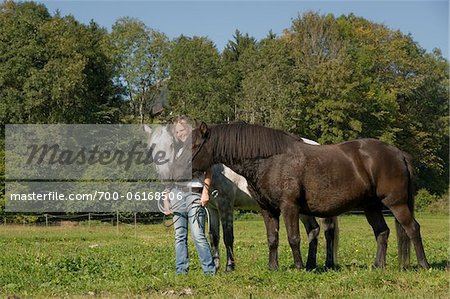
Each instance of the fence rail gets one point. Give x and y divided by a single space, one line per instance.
64 219
113 218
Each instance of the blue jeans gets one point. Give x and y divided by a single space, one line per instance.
194 214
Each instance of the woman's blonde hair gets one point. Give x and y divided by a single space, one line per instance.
182 119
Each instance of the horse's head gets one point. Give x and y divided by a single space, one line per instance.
161 141
202 153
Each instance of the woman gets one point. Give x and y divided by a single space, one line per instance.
187 202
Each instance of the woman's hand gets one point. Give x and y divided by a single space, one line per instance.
168 212
167 207
205 197
206 183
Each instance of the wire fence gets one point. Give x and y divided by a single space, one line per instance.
86 219
113 219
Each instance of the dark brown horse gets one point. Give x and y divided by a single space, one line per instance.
234 192
290 177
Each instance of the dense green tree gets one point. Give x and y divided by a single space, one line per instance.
326 78
335 79
196 85
408 92
139 56
232 66
324 106
53 69
267 85
237 46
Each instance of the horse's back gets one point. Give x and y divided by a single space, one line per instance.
352 173
380 158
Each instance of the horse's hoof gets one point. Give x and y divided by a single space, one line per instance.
424 265
273 267
311 266
217 264
230 268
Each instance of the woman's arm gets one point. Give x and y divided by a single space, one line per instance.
167 207
206 185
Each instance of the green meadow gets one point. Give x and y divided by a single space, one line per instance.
128 262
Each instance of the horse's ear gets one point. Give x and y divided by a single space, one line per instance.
147 129
169 128
204 130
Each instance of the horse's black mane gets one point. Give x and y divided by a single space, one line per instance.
237 141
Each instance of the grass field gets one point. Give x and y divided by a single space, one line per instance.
103 262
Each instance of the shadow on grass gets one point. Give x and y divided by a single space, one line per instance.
323 269
443 265
318 269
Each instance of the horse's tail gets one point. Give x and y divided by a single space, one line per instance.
404 243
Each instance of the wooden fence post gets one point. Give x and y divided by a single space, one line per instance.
117 221
135 226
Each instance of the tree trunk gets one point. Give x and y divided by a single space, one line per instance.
141 111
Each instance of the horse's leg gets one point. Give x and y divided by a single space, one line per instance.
272 221
214 235
331 231
226 216
291 214
312 229
381 231
412 229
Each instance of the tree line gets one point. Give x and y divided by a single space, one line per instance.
326 78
